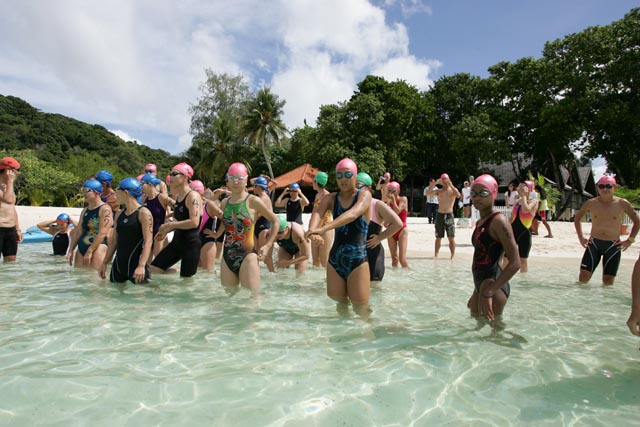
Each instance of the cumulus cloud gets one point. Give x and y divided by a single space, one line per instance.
125 136
138 65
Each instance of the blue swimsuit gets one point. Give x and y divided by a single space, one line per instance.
349 248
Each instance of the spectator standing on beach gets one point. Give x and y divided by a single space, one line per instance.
187 214
466 200
294 203
543 213
604 243
445 221
131 239
348 277
432 201
59 228
10 233
491 238
511 195
634 318
96 222
320 254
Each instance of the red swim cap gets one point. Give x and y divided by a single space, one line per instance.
9 163
347 163
607 179
184 169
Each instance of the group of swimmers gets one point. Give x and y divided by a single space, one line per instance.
344 233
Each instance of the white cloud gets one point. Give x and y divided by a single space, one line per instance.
125 136
137 65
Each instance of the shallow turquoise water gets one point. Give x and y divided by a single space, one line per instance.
77 351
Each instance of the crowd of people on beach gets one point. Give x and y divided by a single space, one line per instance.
129 227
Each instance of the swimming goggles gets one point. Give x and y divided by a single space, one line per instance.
346 175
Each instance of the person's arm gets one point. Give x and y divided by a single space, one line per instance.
193 202
298 238
389 217
46 227
146 222
17 223
303 199
501 231
325 204
7 194
260 208
75 236
358 209
455 191
631 213
106 223
112 244
280 203
634 318
578 224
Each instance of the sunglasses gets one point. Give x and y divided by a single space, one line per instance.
607 186
483 193
236 178
174 173
149 171
346 175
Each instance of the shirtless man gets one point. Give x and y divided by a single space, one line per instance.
447 196
10 234
606 218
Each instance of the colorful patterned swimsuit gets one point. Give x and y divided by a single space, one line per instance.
90 228
238 238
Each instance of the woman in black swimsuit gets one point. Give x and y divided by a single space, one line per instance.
491 239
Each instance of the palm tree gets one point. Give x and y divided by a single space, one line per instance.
263 124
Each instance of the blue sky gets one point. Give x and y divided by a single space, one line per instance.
135 66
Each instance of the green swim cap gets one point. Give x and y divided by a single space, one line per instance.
321 178
364 178
283 221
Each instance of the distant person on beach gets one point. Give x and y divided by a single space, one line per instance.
293 247
604 243
400 240
511 195
491 238
96 222
320 254
131 241
348 279
432 201
159 204
294 203
382 185
521 218
634 318
381 216
466 200
10 233
187 213
60 229
447 194
108 194
239 264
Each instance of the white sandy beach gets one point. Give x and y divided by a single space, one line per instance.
562 247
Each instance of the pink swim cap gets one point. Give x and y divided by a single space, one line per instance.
139 177
387 175
488 182
198 186
151 167
607 179
238 169
347 163
530 185
168 180
394 186
184 169
444 176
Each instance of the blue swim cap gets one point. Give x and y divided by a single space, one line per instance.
261 182
104 176
150 178
63 217
131 186
93 185
295 186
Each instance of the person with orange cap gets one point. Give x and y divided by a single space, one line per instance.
604 243
447 194
491 238
10 233
348 277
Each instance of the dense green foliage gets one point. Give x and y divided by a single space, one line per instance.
58 153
